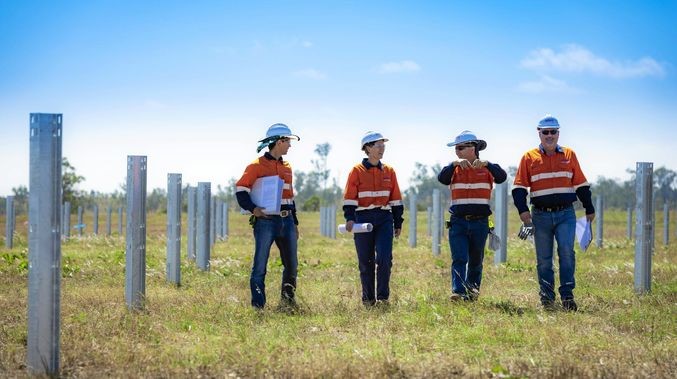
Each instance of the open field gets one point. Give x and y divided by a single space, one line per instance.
207 328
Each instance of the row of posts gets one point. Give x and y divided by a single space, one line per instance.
45 213
328 221
80 226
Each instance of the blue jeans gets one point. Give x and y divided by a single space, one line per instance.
282 231
562 226
467 239
375 267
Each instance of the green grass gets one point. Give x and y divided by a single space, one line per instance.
206 327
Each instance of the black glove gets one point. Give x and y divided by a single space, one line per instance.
526 230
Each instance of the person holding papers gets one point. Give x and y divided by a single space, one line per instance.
273 222
554 179
470 180
373 196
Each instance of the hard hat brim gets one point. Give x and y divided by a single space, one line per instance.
481 144
291 136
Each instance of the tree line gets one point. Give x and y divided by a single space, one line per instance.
317 188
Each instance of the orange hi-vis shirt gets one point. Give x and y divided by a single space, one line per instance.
267 165
551 180
471 186
372 187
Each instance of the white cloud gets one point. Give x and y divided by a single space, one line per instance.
575 58
396 67
310 73
546 84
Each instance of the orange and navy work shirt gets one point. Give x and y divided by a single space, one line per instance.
471 188
373 187
266 165
552 181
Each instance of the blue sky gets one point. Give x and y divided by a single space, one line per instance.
194 85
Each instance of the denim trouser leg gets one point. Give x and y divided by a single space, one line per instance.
562 226
364 244
288 254
467 240
264 235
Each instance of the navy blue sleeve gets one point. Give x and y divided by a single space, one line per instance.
446 174
398 211
519 197
349 212
245 201
497 172
585 196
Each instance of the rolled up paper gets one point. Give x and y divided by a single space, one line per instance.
357 228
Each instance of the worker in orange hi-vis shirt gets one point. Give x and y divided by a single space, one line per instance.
281 229
554 179
373 196
470 180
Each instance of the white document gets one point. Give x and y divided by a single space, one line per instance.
266 193
583 232
357 228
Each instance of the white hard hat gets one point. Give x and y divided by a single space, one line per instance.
468 136
548 122
279 130
372 136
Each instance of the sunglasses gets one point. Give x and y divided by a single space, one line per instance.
462 147
549 132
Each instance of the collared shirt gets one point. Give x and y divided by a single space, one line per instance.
266 165
552 180
371 187
470 189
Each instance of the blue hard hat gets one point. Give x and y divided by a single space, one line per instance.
548 122
468 136
279 130
372 136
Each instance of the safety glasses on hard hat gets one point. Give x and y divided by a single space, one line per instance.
549 132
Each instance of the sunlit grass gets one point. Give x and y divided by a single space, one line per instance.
206 326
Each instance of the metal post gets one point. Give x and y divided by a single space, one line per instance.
629 227
322 227
203 212
192 215
174 229
332 224
225 219
501 226
436 222
412 219
109 214
429 230
9 222
44 244
599 209
119 221
666 223
96 219
644 226
135 273
219 219
66 219
81 222
212 221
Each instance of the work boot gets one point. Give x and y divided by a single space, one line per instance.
569 305
548 305
456 297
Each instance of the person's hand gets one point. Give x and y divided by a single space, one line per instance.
462 163
525 217
258 212
478 163
398 232
590 217
526 230
349 225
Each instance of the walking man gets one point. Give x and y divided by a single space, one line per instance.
553 178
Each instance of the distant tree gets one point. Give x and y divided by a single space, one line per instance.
314 183
312 204
156 201
422 183
20 199
70 180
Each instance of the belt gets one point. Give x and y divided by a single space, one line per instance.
285 213
555 208
470 217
